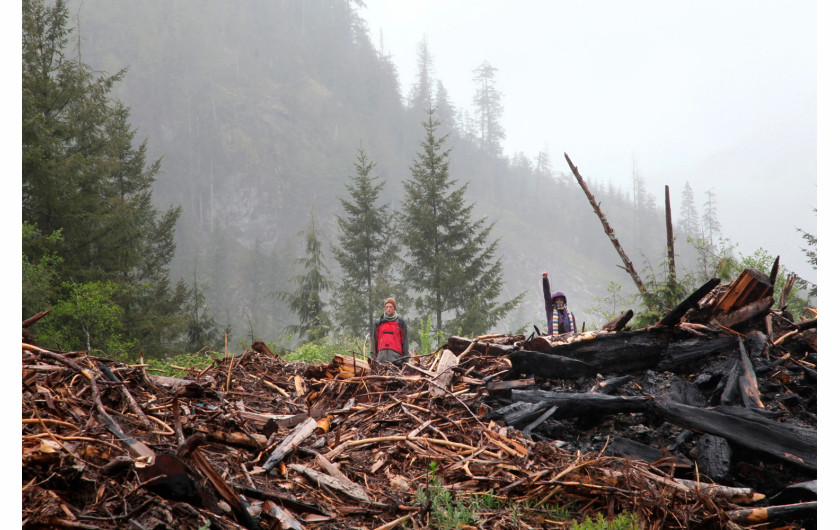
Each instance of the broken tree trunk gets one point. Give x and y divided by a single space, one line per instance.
439 384
751 285
618 323
628 265
746 428
669 236
673 318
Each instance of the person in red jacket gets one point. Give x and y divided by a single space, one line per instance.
390 336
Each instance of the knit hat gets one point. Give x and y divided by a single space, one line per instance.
391 301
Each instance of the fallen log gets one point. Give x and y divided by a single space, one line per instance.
572 404
679 356
621 352
457 345
548 366
746 428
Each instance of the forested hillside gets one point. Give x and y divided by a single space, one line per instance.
258 110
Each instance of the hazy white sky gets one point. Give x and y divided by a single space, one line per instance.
720 94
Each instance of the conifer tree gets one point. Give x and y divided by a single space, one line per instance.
488 104
689 222
449 264
83 176
711 225
420 96
306 301
366 252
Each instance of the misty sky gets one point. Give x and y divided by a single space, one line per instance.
720 94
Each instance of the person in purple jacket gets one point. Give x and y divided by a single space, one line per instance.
560 319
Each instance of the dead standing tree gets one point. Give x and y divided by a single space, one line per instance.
628 265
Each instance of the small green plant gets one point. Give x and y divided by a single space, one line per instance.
193 361
610 306
325 349
622 521
429 339
446 511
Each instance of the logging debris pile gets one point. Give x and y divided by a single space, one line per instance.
703 421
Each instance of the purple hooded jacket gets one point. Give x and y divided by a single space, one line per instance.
566 316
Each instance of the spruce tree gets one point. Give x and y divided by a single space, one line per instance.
488 103
306 301
366 252
449 265
83 176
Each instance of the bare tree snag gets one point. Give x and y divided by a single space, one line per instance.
628 265
669 234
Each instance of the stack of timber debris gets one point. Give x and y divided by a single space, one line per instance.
689 424
722 391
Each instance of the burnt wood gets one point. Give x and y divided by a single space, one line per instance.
618 323
608 386
575 404
680 355
746 428
626 448
618 353
549 366
714 457
675 315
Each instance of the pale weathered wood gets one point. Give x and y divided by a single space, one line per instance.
290 443
343 484
439 384
283 517
748 381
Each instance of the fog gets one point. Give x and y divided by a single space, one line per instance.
719 94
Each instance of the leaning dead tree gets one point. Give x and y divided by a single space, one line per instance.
628 265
